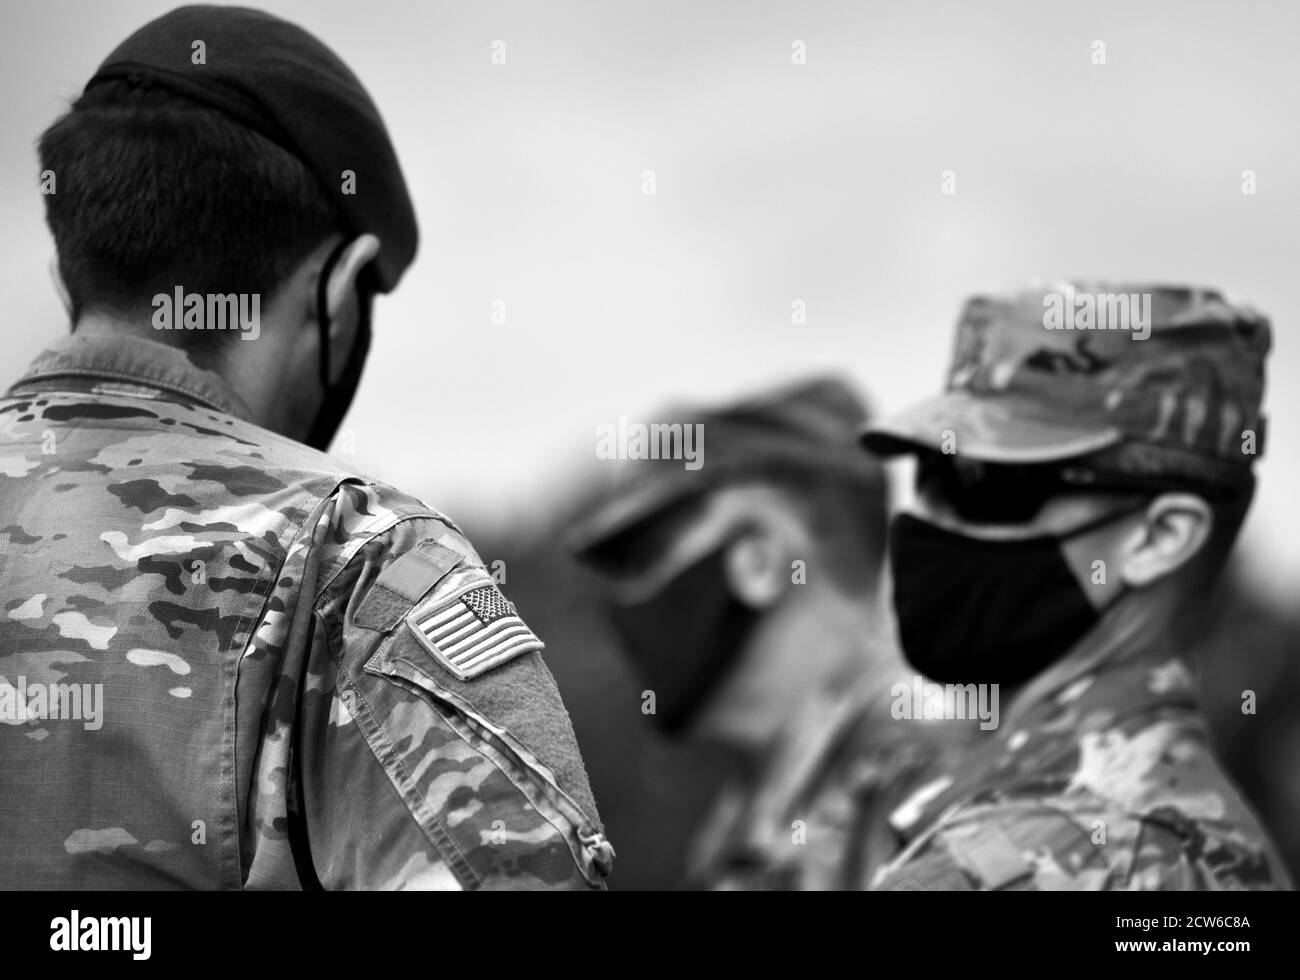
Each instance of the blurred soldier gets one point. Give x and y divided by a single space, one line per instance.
744 591
226 660
1080 486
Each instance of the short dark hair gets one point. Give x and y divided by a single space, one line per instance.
154 191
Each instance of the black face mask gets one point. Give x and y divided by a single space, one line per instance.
338 397
988 612
684 640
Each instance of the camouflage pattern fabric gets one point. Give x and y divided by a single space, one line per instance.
817 817
1108 783
1019 392
268 716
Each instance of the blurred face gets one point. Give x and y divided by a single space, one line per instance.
649 556
681 625
695 596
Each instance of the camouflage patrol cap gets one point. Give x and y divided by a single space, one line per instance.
279 80
1157 380
811 426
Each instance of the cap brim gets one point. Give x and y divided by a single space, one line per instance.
989 428
620 514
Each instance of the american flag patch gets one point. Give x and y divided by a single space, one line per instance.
474 631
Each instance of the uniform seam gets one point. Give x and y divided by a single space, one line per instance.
579 821
255 612
135 379
319 600
437 834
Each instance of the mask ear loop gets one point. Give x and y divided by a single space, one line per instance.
1124 588
323 311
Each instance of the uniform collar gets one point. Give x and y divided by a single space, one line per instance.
1126 632
84 362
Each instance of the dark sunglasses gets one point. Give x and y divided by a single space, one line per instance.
998 493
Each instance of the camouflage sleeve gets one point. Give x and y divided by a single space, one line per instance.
436 752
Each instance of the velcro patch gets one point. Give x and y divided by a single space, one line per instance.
473 630
402 584
417 571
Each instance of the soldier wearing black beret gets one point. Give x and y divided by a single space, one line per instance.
233 662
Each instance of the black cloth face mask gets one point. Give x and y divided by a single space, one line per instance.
975 611
337 398
684 640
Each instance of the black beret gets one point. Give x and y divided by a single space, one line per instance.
275 78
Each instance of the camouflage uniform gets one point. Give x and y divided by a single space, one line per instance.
274 709
817 817
1108 782
1101 775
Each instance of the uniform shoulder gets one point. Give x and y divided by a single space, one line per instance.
243 465
1197 830
458 704
337 508
279 454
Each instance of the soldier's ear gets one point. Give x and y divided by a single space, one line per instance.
756 569
1175 528
347 270
60 287
342 298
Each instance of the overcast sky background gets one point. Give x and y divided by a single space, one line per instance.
775 183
